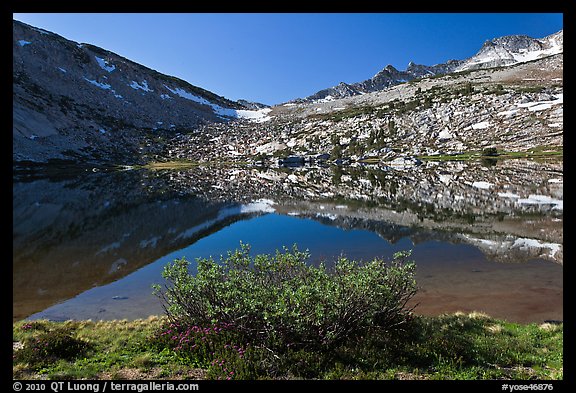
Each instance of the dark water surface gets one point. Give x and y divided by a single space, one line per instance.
483 238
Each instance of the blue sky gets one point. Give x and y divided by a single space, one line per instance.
273 58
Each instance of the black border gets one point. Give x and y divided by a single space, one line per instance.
462 6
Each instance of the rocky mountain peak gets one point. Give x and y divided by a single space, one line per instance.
516 43
497 52
513 49
554 40
390 68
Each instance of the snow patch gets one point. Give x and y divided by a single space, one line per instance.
189 96
258 206
103 86
508 113
509 57
150 242
256 115
482 184
328 98
535 106
293 178
144 86
109 247
444 134
480 126
62 69
98 84
508 195
540 107
104 64
445 179
23 42
331 217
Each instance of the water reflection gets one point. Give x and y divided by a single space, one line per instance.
75 234
80 232
512 210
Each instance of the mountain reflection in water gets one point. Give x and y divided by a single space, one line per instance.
485 238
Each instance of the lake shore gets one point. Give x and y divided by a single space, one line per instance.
446 347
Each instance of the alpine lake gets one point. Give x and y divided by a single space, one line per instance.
486 235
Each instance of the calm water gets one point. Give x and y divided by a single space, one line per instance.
484 237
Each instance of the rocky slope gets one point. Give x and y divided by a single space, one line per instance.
79 100
513 108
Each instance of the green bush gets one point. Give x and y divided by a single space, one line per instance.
282 302
490 151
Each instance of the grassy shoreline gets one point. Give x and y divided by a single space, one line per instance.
447 347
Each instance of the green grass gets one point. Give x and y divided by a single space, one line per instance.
448 347
188 164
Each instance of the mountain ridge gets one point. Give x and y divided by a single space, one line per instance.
81 103
497 52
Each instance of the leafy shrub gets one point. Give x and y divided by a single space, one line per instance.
281 302
490 151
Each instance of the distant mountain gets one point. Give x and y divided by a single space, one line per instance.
502 51
387 77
